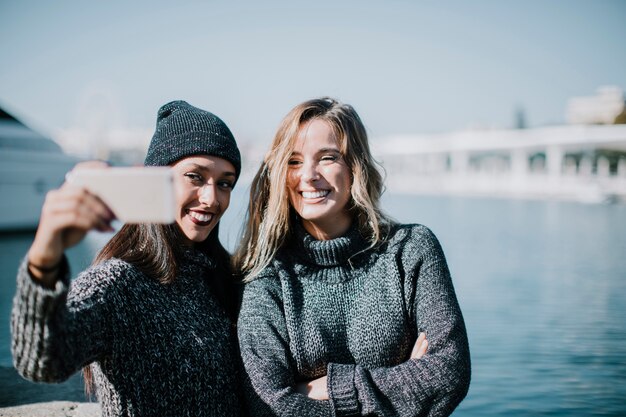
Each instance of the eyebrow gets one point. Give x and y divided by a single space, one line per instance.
323 150
193 165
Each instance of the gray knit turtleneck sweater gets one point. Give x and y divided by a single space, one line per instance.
156 349
338 309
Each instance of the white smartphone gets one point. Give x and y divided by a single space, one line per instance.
135 195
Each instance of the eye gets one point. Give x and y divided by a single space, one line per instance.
329 158
294 162
226 185
194 177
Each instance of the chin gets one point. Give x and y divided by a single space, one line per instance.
315 216
196 237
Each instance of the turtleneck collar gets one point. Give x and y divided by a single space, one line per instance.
328 252
190 257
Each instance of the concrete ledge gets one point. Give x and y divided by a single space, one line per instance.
53 409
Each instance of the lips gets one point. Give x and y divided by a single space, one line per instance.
315 194
200 218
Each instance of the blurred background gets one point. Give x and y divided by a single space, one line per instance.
500 125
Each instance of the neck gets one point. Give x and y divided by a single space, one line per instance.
188 243
328 230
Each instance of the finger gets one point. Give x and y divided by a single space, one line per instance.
71 197
66 195
418 343
99 207
96 215
422 350
95 164
67 214
78 219
76 213
317 389
83 196
58 210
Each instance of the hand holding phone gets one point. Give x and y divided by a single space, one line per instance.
135 195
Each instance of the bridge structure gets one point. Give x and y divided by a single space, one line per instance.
572 162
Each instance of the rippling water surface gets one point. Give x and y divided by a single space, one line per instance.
542 286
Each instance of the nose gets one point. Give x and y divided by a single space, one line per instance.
207 195
309 172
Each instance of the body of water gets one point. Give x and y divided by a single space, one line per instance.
542 286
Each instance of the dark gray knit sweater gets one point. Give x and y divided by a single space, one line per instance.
156 349
319 309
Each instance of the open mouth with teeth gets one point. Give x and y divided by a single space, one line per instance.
314 194
200 218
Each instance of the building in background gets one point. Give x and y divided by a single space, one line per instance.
584 160
30 166
603 108
119 146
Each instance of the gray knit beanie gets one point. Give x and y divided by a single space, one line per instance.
184 130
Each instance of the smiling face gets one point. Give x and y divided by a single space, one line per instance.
203 187
319 181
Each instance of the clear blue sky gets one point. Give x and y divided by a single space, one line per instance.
407 66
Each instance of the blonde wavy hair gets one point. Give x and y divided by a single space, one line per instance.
269 219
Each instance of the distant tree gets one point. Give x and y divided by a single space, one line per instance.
620 119
520 118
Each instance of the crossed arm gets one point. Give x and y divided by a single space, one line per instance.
317 388
431 382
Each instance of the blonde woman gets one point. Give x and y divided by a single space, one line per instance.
339 298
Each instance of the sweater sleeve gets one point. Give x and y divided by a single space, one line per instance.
264 344
431 386
55 332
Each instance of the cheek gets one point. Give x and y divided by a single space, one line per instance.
344 182
341 179
225 201
348 183
181 199
292 184
292 180
291 196
183 194
180 223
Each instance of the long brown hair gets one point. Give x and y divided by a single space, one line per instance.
155 250
268 219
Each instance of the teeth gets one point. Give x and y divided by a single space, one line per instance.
315 194
200 217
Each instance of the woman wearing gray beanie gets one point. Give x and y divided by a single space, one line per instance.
345 312
151 320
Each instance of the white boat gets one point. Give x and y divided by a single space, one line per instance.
30 165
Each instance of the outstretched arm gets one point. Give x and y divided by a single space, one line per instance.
53 336
57 331
66 216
